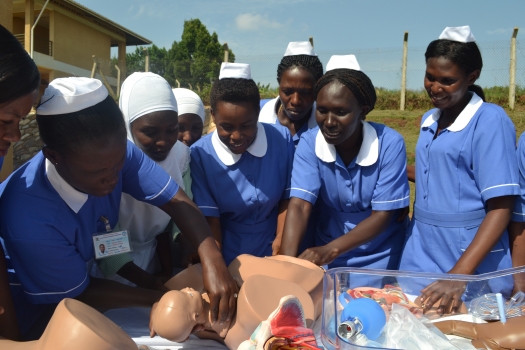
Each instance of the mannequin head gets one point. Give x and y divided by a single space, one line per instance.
185 306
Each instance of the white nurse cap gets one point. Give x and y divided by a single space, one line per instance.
342 61
299 48
462 34
189 102
235 71
68 95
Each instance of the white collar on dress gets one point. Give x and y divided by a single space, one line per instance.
268 114
257 148
463 118
368 153
73 198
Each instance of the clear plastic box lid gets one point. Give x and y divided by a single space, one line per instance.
341 282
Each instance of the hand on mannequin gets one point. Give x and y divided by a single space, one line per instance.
364 232
499 211
141 278
217 280
449 292
322 255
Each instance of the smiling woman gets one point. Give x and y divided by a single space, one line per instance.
241 172
356 170
461 202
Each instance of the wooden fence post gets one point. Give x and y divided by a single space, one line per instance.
146 60
512 72
404 73
226 52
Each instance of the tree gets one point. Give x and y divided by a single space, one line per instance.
198 56
195 59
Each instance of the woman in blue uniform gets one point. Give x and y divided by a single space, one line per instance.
54 207
297 74
356 170
19 83
241 172
466 175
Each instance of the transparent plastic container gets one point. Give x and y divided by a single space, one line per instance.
339 280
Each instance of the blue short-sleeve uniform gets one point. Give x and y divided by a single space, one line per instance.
518 214
457 171
47 227
243 190
375 180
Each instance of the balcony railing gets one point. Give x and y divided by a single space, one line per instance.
41 45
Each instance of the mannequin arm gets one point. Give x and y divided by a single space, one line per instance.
217 279
364 232
295 225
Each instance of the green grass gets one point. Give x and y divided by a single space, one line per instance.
407 124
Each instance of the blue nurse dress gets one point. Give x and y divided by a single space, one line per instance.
243 190
375 180
468 163
47 227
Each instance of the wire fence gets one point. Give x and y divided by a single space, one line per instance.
382 65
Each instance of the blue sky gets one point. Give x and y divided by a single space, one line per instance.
260 27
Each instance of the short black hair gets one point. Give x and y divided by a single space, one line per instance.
465 55
311 63
19 74
356 81
234 91
68 133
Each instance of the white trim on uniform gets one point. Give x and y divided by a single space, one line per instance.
257 148
368 153
67 291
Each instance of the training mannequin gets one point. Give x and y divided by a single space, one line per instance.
180 313
493 335
302 272
79 326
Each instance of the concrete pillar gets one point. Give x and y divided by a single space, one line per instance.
122 59
30 19
6 14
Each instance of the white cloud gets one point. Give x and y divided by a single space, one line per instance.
249 21
499 31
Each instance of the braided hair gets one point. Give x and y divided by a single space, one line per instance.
235 90
356 81
465 55
19 74
311 63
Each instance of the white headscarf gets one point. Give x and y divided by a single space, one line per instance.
141 94
189 102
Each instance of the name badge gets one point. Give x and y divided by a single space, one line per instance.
112 243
